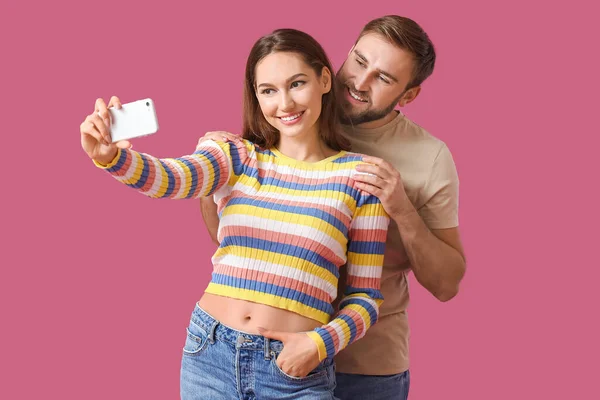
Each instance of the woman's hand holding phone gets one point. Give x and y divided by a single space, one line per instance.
95 133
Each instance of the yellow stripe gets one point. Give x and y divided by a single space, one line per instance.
362 311
372 210
139 168
346 332
187 177
364 259
268 299
320 344
110 164
164 180
203 159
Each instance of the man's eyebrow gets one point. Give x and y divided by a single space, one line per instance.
291 78
382 72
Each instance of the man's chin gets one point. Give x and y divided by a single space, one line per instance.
356 118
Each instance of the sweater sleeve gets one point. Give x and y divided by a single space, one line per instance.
359 308
212 166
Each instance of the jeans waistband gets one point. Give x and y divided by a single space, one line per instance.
244 340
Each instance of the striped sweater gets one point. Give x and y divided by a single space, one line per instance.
286 227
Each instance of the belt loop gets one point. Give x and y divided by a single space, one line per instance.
267 349
211 334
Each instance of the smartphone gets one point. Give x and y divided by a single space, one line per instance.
133 120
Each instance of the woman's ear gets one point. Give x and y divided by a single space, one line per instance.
326 79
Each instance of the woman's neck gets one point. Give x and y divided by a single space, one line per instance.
304 149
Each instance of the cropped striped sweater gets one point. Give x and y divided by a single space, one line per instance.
286 227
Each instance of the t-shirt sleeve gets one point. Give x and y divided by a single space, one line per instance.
440 193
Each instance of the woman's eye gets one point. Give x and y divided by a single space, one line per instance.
296 84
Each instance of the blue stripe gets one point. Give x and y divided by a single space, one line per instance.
251 172
371 200
328 340
366 247
275 290
280 248
170 179
367 199
217 170
372 293
266 152
348 159
145 171
351 324
194 177
309 211
119 163
364 304
236 161
339 187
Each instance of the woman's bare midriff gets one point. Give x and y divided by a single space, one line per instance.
247 316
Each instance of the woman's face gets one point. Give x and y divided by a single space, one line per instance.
289 93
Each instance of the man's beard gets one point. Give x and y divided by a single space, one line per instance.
347 118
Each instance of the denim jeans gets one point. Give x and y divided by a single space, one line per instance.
372 387
219 362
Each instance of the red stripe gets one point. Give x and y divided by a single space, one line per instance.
151 173
334 335
368 235
125 167
358 320
199 172
363 282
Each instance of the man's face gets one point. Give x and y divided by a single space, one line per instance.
373 79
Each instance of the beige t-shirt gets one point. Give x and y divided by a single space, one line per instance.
431 182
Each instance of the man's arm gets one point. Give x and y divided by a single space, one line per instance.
211 218
436 256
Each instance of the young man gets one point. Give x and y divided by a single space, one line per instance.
415 178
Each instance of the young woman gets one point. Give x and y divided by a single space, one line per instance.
291 216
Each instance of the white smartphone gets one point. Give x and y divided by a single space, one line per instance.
133 120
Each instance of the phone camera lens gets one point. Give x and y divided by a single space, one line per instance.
148 104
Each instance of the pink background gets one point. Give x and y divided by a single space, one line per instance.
97 282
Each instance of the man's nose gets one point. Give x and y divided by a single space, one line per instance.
362 83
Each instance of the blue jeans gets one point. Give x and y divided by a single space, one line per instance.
372 387
219 362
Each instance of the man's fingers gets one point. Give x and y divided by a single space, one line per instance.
221 135
369 179
374 190
372 160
